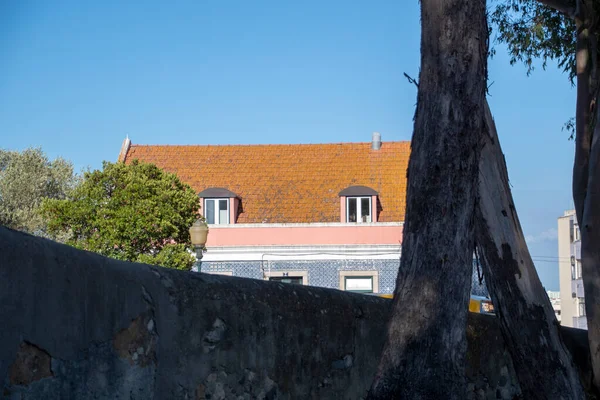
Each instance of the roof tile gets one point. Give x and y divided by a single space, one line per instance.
289 183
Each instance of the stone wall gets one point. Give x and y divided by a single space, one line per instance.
77 325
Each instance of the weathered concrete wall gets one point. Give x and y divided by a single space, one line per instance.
77 325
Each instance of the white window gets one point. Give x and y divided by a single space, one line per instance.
216 211
359 281
359 284
582 309
358 209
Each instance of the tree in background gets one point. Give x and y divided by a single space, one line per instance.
135 212
26 179
568 31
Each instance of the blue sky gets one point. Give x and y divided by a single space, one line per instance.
76 77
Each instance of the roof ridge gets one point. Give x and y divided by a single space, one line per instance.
266 144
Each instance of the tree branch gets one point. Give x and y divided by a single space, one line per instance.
412 80
562 6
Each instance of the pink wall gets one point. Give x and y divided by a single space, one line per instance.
374 208
233 206
282 235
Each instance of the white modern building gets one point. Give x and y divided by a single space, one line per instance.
555 300
569 266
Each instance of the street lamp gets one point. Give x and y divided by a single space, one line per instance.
198 236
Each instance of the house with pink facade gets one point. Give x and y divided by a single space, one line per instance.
327 215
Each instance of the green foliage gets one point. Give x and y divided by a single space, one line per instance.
135 212
26 179
532 30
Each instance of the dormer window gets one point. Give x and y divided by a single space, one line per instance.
358 204
219 206
358 209
216 211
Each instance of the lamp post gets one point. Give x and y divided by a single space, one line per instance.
198 236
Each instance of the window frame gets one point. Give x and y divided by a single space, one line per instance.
373 274
216 211
359 209
581 309
351 277
267 275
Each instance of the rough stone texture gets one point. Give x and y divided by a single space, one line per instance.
31 364
77 325
137 343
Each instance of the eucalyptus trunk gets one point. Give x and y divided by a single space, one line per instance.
424 356
586 169
544 367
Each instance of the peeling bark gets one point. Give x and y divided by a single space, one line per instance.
544 367
424 356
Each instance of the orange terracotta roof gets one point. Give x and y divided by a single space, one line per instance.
288 183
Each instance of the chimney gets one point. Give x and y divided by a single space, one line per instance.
376 143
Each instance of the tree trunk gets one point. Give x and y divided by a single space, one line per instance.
590 253
543 365
583 120
426 341
586 170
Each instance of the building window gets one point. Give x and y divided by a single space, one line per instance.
358 209
216 211
293 277
571 230
579 273
297 280
359 284
359 281
582 309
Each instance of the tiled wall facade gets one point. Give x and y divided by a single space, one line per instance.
323 273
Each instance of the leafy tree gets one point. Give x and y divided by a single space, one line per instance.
26 179
568 32
134 212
